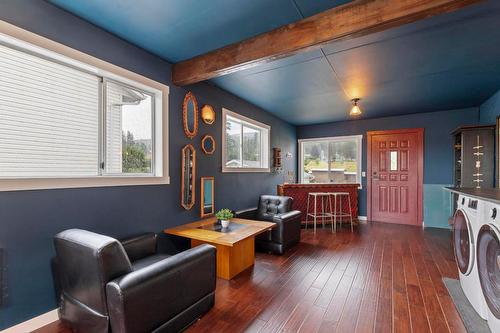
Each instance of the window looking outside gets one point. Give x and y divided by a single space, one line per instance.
245 144
331 160
64 121
129 130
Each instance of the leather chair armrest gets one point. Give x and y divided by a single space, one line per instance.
144 299
288 216
250 213
140 246
288 227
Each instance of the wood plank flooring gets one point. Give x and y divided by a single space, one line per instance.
381 278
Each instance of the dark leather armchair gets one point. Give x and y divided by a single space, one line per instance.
277 209
127 287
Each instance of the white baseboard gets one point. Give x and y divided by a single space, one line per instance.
362 219
34 323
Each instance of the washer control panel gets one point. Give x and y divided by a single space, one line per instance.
472 204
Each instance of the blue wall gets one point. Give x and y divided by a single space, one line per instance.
438 151
490 109
29 219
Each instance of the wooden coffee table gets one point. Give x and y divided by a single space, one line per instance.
235 245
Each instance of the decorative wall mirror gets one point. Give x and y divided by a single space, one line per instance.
208 114
188 176
207 196
190 115
208 144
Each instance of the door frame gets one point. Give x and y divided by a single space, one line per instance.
420 168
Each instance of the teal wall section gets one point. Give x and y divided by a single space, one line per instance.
490 109
437 205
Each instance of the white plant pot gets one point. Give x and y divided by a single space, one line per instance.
225 223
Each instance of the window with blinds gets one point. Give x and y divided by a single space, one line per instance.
59 121
49 118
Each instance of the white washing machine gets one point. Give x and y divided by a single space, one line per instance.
488 262
466 225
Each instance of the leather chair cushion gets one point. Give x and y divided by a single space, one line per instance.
270 205
138 264
140 246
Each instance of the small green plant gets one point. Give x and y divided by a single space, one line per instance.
224 214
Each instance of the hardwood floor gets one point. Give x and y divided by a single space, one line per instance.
381 278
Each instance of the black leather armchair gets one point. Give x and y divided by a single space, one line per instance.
277 209
128 287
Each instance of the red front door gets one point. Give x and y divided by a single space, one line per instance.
395 176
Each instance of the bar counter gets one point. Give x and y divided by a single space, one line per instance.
299 193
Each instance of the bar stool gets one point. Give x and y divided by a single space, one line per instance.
322 196
341 214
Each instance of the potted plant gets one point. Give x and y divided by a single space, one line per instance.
224 215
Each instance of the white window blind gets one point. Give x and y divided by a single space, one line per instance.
49 118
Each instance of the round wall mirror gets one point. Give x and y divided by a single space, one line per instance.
208 144
190 115
208 114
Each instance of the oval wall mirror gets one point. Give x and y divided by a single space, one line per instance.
188 176
208 144
208 114
190 115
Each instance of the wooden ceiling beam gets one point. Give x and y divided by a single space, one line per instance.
351 20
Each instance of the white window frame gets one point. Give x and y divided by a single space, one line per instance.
359 142
264 145
156 117
23 40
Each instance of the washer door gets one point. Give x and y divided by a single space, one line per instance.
463 242
488 265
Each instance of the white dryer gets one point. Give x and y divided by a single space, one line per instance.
488 262
466 225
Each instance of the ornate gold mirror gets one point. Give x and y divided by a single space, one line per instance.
190 115
188 176
207 196
208 114
208 144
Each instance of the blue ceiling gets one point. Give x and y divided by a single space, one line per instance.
446 62
177 30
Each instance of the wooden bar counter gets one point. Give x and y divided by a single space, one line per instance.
299 193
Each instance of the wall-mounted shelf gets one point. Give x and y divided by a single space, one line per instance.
277 157
469 160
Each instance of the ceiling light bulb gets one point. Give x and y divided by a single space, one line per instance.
355 110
